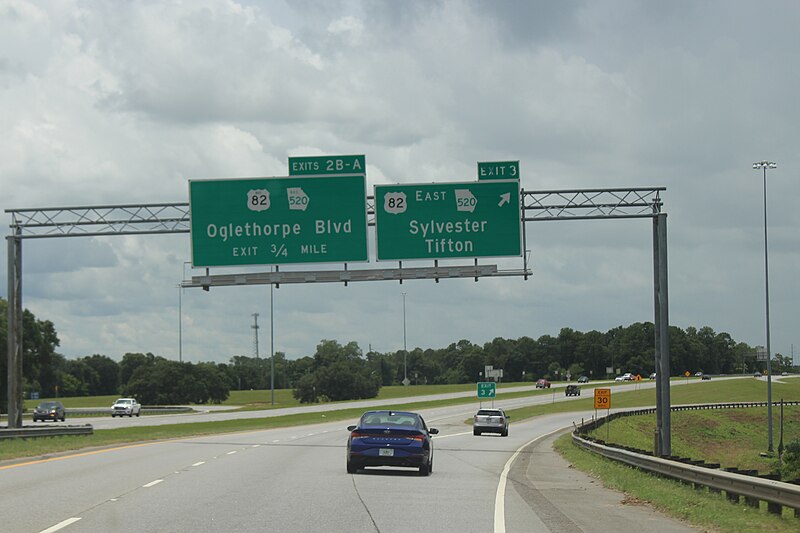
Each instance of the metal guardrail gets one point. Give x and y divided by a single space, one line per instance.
753 488
27 432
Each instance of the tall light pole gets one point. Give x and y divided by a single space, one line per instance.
764 165
405 348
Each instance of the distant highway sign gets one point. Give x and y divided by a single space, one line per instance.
487 389
327 164
498 170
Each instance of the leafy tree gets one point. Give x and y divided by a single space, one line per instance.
338 373
383 366
305 389
781 363
39 358
131 362
107 371
72 386
346 380
575 371
81 372
170 382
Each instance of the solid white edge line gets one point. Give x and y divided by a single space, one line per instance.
500 495
61 525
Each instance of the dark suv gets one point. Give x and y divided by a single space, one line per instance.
572 390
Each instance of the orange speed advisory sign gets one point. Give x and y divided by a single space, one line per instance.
602 398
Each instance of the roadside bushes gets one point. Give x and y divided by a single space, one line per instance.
790 462
338 373
164 382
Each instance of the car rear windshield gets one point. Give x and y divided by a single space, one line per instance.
489 412
390 419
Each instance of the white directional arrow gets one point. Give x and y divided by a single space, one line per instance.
504 199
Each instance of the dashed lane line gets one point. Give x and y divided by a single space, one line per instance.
61 525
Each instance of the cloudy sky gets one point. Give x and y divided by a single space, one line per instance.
123 102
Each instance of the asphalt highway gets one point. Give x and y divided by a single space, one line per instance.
294 480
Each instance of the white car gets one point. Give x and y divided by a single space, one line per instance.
126 406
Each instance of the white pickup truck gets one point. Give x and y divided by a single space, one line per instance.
126 406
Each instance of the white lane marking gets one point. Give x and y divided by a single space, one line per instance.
500 495
61 525
437 437
231 453
256 446
276 440
198 463
156 482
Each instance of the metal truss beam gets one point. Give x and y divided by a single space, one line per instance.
140 219
583 204
91 221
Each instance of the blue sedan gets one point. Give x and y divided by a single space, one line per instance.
390 438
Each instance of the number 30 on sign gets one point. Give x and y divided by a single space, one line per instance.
602 398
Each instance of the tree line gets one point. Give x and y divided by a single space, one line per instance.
338 372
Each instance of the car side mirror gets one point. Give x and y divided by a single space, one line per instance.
351 428
508 416
433 431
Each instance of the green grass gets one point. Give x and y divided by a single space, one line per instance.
719 391
701 508
708 435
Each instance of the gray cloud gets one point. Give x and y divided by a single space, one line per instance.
124 103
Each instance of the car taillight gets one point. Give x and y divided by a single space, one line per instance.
420 438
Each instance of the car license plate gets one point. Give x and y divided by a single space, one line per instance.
386 452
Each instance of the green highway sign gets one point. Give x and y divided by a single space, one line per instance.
327 164
448 220
487 389
498 170
272 221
